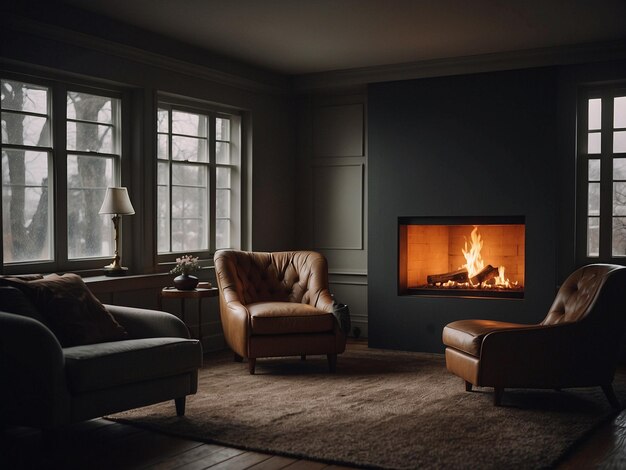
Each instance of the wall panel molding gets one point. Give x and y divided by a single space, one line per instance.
338 206
332 152
339 131
352 290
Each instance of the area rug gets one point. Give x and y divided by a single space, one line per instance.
381 409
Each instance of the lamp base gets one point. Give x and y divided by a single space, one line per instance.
115 272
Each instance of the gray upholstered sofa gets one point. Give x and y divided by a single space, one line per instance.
46 385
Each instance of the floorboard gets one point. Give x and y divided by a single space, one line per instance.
186 458
306 465
212 459
605 448
276 462
244 460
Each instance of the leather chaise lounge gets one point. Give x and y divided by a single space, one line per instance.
576 345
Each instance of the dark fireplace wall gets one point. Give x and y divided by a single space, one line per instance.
473 145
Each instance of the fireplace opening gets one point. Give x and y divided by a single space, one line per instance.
461 256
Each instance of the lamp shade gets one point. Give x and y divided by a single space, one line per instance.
116 201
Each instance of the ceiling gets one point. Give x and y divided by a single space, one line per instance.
298 37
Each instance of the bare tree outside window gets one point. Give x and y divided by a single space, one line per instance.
194 150
619 176
619 206
26 172
603 153
92 127
183 181
93 145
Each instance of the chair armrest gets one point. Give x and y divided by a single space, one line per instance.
548 356
144 323
236 325
324 301
32 367
30 343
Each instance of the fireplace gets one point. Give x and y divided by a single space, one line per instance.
461 256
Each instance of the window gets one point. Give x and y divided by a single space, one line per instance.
26 172
198 180
225 172
72 137
602 175
93 155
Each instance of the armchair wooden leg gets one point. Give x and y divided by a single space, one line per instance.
251 365
332 362
497 395
237 357
610 395
468 386
180 405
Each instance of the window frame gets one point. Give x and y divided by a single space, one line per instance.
606 93
211 111
58 157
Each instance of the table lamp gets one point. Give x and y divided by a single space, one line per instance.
116 202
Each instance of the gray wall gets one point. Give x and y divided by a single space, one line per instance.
415 142
331 215
474 145
76 44
72 46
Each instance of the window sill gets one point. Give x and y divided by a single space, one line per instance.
103 284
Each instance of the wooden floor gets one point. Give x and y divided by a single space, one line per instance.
103 444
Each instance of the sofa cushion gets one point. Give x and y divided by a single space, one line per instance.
22 277
105 365
13 300
71 311
275 318
468 335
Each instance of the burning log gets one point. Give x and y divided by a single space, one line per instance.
485 274
456 276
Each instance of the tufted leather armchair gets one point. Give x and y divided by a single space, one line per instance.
277 304
576 345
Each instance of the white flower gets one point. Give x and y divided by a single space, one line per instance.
186 264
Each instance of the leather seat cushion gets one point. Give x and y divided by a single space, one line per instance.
104 365
468 335
276 318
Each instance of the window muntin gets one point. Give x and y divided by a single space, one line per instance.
26 172
196 176
224 172
618 213
69 136
93 143
183 181
602 141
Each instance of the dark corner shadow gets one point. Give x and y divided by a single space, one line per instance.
581 400
347 366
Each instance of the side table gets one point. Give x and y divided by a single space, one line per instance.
198 293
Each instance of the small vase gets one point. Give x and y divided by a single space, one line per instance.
185 282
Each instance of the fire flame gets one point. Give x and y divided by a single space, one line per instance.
474 260
500 279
